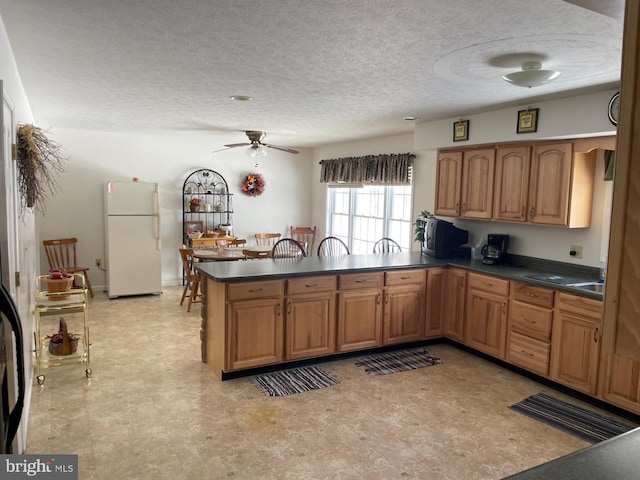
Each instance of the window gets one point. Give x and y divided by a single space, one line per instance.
361 216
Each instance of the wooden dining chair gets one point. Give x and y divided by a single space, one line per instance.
386 245
332 247
267 238
288 248
191 279
306 236
61 254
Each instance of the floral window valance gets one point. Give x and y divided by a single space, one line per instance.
386 169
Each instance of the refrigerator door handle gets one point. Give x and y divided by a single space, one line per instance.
158 237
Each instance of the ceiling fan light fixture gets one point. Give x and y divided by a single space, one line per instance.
256 151
531 75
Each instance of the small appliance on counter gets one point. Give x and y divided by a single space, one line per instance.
495 251
442 239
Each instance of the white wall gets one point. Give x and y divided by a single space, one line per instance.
27 254
96 157
571 117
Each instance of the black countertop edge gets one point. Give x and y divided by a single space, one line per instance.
517 270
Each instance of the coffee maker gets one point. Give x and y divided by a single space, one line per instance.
495 251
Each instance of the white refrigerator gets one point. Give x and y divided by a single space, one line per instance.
132 226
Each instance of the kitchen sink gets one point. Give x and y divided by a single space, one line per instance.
589 286
551 278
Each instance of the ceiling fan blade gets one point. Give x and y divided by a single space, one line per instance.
232 145
277 147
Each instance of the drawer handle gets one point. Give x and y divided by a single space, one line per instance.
307 285
487 284
254 290
405 278
526 353
288 308
527 320
278 310
532 214
361 281
386 299
523 210
533 295
378 299
596 335
457 208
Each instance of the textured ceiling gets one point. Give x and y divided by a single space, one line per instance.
319 71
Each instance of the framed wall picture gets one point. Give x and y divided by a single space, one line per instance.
193 226
461 130
527 120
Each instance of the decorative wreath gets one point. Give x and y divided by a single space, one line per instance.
253 185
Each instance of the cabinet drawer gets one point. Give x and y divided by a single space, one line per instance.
311 285
250 290
367 280
489 284
532 294
531 320
586 307
529 353
405 277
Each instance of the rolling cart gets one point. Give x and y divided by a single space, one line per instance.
55 305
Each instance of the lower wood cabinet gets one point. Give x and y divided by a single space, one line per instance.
359 311
255 333
619 381
435 308
454 306
486 314
310 317
529 331
576 342
403 310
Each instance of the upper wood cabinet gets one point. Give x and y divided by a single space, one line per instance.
477 183
544 183
561 185
464 185
511 186
448 183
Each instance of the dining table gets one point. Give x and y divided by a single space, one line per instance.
220 254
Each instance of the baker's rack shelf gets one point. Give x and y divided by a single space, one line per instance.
216 203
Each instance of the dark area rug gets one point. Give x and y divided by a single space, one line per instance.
295 380
585 424
397 361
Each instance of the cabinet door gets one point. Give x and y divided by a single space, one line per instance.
485 326
310 324
620 381
477 183
575 352
511 186
255 333
455 304
403 314
436 302
359 320
448 182
550 184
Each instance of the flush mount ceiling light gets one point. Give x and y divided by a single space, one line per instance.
531 75
256 151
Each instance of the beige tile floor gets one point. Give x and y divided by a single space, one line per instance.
152 410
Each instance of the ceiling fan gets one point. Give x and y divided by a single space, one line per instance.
256 146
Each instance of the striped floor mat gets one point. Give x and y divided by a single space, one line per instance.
295 380
585 424
397 361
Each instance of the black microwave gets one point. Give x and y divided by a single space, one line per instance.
442 238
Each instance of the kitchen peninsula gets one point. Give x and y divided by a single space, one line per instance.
267 312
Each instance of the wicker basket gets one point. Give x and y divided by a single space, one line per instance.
63 343
58 285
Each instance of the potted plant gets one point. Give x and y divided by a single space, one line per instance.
419 225
194 204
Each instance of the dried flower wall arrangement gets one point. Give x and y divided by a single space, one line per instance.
39 163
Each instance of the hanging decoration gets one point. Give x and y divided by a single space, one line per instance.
39 162
253 185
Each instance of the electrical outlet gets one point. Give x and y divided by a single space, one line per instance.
575 251
98 262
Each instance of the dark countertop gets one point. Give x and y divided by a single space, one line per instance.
613 459
518 269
